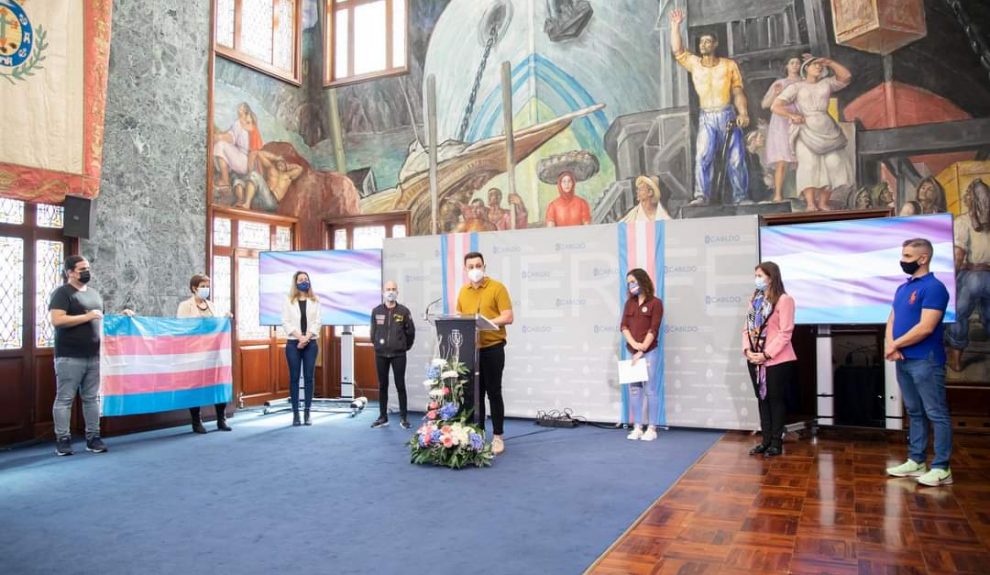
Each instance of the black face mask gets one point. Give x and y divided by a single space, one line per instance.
84 277
910 267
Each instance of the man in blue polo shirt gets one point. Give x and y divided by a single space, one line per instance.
914 341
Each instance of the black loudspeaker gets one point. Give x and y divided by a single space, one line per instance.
78 222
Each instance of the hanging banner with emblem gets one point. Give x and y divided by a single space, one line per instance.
54 58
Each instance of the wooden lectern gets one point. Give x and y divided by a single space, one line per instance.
457 337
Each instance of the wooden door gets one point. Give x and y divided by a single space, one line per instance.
32 249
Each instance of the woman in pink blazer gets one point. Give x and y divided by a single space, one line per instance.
767 346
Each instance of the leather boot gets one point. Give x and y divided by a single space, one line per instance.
222 422
197 422
306 419
955 359
295 418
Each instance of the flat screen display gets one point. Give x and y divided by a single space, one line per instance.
348 283
846 272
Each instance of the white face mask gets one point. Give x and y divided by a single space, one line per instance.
203 293
761 283
391 296
476 275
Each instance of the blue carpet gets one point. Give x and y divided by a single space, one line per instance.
336 497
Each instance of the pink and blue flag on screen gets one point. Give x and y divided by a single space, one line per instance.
152 364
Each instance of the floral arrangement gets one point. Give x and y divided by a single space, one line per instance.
446 438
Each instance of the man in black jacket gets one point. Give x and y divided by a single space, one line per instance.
392 332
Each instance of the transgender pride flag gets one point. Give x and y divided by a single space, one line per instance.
150 364
453 248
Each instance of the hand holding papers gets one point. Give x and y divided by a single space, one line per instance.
632 373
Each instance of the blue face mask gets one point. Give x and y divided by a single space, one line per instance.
302 286
761 283
634 288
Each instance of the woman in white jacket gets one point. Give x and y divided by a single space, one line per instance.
301 322
199 305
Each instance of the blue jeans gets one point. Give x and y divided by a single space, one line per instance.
651 390
711 137
922 383
304 358
972 293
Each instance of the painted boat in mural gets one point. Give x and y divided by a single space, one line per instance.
469 170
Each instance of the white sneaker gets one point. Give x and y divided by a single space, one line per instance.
908 469
650 435
636 433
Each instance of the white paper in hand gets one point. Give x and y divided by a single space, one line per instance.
629 373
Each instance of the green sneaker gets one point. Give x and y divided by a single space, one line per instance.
936 477
907 469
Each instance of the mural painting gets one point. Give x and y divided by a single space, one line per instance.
638 109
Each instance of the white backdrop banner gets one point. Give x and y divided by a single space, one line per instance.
708 281
414 264
564 341
567 290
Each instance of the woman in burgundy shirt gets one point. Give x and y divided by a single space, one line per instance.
767 346
641 328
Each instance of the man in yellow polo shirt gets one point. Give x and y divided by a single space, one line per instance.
719 86
487 297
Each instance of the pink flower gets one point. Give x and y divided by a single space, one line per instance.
434 405
446 390
426 439
445 430
448 441
432 414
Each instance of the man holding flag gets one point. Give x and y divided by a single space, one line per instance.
76 312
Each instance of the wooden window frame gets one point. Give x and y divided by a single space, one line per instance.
234 54
329 61
233 251
387 219
30 232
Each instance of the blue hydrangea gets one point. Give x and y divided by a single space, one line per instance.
448 411
422 440
476 442
435 436
433 372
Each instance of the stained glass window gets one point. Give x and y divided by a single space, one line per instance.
248 313
283 239
12 293
221 232
225 23
340 239
256 29
285 37
253 235
220 291
261 33
369 237
50 216
11 211
48 256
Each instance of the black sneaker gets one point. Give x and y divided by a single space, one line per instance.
404 423
96 445
63 446
380 422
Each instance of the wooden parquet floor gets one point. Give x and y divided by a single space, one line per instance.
825 506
